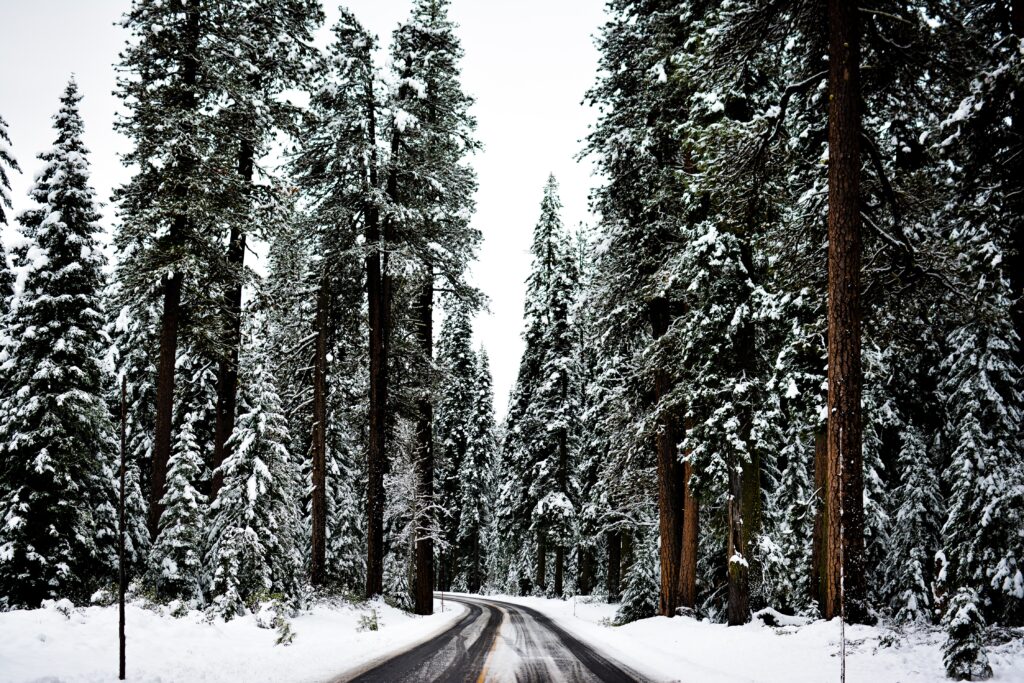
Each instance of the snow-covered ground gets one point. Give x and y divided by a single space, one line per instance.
685 649
45 646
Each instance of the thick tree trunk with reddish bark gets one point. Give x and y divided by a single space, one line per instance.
318 446
172 286
164 397
819 544
671 501
227 371
845 580
423 591
688 561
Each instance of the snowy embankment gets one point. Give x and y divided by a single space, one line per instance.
684 649
44 645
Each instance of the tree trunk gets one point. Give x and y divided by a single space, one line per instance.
670 483
736 551
227 371
845 578
559 568
614 565
744 508
378 290
542 564
318 511
424 333
585 560
122 582
688 561
164 397
172 286
819 545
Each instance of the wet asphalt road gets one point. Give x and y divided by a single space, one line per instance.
497 642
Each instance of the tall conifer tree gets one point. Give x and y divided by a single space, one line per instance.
56 439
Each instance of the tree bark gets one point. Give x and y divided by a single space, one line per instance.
614 565
164 397
585 560
688 561
845 577
318 506
172 286
819 545
670 482
227 370
424 331
378 290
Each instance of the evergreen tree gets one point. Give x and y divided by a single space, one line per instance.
457 393
131 358
56 438
964 650
431 185
640 596
475 480
7 162
176 559
175 207
269 51
914 538
542 410
255 517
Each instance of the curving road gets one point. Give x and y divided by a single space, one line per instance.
497 641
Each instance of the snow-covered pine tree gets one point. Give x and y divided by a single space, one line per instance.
981 535
7 163
641 586
475 481
339 171
175 209
429 179
541 417
913 540
267 50
984 352
638 146
56 438
176 559
964 650
131 358
457 392
255 517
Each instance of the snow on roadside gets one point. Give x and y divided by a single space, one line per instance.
684 649
45 646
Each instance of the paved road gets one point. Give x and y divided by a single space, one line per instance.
497 641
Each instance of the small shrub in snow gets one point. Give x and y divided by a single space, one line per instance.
964 651
62 606
368 621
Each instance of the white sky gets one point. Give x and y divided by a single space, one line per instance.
528 63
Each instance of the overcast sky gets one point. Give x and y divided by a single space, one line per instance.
528 64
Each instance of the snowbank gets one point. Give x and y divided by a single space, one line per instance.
44 645
684 649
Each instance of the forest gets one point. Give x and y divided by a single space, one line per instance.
780 373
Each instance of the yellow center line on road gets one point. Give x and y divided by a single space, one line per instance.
494 643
